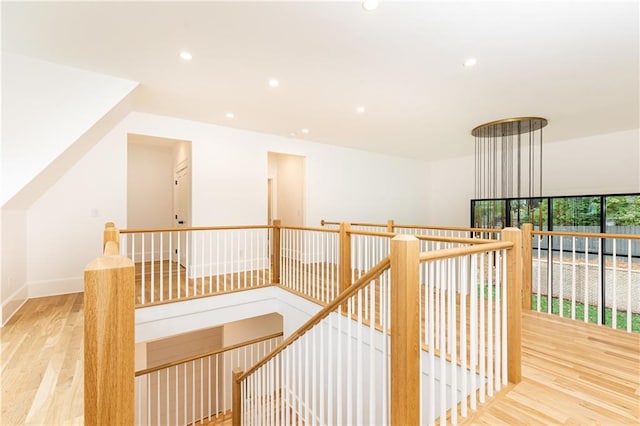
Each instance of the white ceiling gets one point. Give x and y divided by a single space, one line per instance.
575 63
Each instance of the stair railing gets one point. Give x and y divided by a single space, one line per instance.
196 389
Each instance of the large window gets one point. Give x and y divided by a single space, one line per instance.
615 214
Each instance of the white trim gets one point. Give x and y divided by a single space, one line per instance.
55 287
11 300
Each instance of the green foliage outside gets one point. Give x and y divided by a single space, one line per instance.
623 210
592 313
576 211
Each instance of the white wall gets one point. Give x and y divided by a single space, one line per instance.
599 164
64 226
46 108
14 288
229 173
161 321
251 328
607 163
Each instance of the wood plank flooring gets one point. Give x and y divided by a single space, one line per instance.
42 375
574 373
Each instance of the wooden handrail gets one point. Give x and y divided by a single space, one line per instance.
204 355
372 233
586 234
194 228
328 222
464 251
461 240
373 273
440 228
308 228
450 228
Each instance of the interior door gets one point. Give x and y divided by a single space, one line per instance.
181 196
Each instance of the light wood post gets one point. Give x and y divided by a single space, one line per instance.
390 225
275 253
345 256
405 331
111 233
527 265
109 341
236 398
514 304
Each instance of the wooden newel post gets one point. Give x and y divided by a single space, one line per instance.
405 331
391 226
109 341
275 252
236 398
514 304
111 233
345 256
527 265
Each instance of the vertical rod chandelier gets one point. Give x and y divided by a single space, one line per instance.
508 158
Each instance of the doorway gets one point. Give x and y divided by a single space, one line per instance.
285 188
158 186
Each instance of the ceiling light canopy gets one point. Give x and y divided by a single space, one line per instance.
185 55
274 83
370 5
470 62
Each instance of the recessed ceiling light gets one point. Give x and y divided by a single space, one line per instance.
274 83
471 62
230 115
305 131
292 134
360 110
370 5
186 55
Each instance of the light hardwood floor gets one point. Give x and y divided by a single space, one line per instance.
42 363
573 373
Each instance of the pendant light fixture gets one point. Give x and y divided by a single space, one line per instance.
508 158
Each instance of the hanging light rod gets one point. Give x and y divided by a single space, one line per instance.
505 128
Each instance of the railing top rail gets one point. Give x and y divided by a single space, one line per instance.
449 228
464 251
374 272
315 229
372 233
377 225
460 240
586 234
194 228
204 355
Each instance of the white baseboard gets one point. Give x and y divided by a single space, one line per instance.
14 303
56 287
